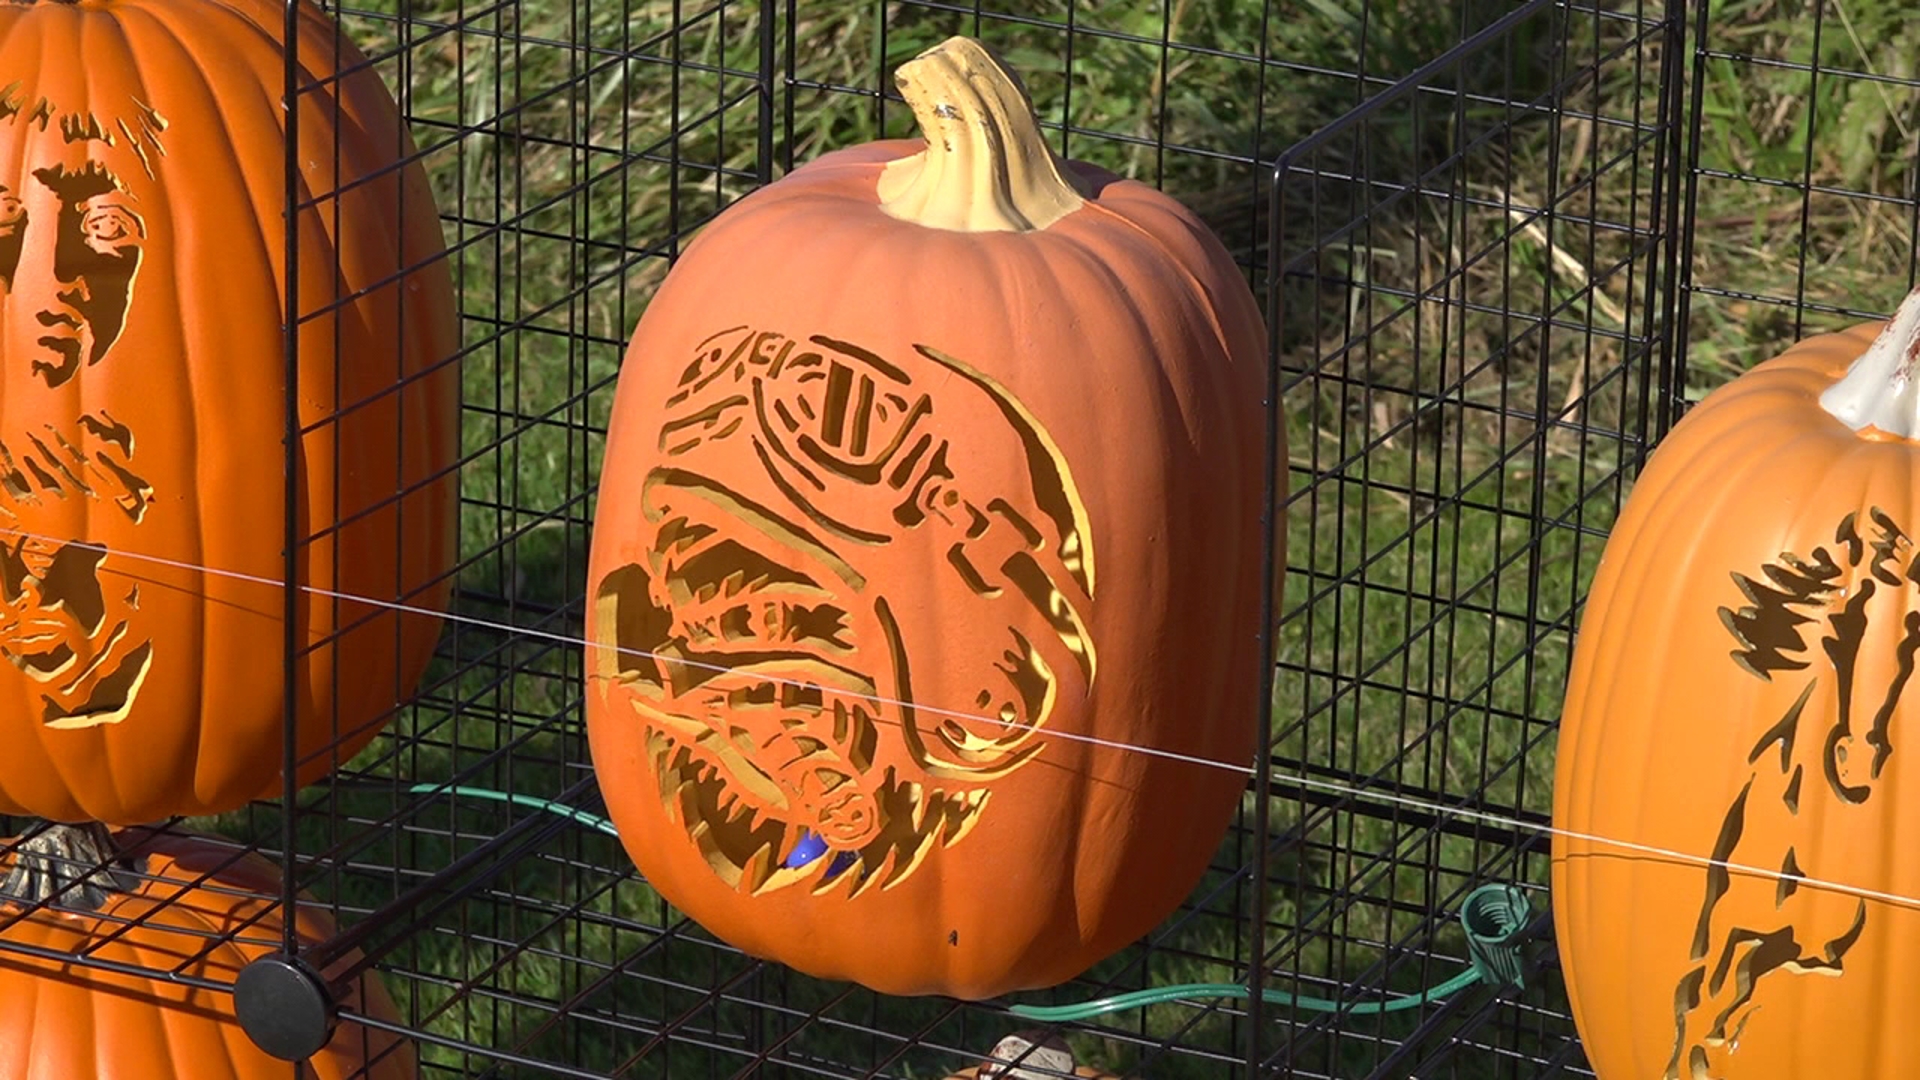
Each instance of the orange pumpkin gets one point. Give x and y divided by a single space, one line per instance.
928 550
198 909
142 406
1734 734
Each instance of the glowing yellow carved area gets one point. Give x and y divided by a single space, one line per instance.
1802 612
73 235
811 492
748 848
67 635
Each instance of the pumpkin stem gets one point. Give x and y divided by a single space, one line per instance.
986 167
1882 388
72 867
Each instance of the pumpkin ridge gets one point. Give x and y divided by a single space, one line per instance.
1581 796
1168 257
99 1025
1216 378
240 12
41 733
121 763
42 1020
166 1024
1101 268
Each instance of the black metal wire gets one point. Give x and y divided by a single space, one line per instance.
1409 252
293 538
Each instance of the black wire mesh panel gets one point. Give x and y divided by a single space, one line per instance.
1472 216
1800 177
1471 294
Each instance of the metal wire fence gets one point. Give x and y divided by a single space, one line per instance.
1480 241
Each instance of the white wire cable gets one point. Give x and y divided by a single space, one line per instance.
1328 786
567 639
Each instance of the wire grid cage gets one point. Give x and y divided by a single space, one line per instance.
1477 234
1470 292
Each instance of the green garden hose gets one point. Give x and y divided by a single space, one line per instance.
1493 916
531 801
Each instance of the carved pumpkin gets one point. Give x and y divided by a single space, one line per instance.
933 486
191 906
142 416
1740 694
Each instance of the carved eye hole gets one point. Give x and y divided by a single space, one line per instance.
107 229
12 212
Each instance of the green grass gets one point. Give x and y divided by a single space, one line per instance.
1437 669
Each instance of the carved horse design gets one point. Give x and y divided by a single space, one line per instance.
1830 746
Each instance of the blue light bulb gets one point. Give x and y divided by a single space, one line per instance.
808 849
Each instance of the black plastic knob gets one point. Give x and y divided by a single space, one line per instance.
283 1005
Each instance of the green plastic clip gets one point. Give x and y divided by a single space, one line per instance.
1494 917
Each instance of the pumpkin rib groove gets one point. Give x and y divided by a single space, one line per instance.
1706 464
43 1019
1203 308
13 1052
1204 304
39 733
266 34
1110 302
240 105
99 1022
112 767
121 763
1588 797
233 1040
1075 759
162 1026
185 74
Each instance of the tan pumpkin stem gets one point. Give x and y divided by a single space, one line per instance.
1882 388
986 167
74 867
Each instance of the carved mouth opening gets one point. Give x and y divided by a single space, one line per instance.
742 652
62 639
757 852
720 603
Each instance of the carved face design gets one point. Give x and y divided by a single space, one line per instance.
60 631
72 232
827 531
